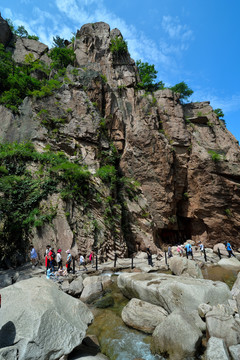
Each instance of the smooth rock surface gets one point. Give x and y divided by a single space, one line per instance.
185 267
39 321
143 316
173 292
177 336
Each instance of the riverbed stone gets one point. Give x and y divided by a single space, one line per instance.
40 321
216 349
142 315
173 292
76 287
236 286
230 263
235 351
185 267
222 324
92 288
177 336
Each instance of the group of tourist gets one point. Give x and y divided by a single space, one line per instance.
188 249
52 259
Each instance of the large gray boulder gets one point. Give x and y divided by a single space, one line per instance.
173 292
177 336
235 351
216 349
142 315
183 266
92 288
236 286
222 324
39 321
230 263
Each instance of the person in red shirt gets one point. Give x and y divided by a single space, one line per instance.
51 256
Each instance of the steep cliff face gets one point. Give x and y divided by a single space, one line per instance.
184 158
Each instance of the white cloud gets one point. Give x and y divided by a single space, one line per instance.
7 13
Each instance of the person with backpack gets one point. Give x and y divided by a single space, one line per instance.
149 256
51 256
188 248
33 255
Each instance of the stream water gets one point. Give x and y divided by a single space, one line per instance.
120 342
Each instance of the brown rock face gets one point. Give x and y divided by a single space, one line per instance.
186 161
5 32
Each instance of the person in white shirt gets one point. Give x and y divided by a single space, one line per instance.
59 259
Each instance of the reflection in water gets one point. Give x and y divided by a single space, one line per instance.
219 273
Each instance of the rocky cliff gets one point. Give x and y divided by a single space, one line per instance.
159 171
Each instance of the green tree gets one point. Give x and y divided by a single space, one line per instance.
220 115
118 46
58 42
148 74
61 57
21 31
182 89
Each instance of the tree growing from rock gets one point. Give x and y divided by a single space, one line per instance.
182 89
148 74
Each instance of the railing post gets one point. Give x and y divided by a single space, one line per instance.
132 263
165 257
205 256
96 262
219 254
73 265
186 253
115 260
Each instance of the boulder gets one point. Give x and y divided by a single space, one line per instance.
183 266
230 263
221 324
216 349
236 286
39 321
177 336
76 286
235 351
142 315
92 288
173 292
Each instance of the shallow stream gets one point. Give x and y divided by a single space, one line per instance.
119 342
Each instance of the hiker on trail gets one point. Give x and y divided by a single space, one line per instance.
91 258
188 248
170 252
82 262
51 256
69 260
47 262
229 249
180 250
33 255
201 246
149 256
59 259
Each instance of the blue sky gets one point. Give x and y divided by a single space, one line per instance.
196 41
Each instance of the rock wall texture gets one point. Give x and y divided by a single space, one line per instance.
186 161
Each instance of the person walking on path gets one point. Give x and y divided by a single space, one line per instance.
180 250
91 258
51 256
82 262
170 252
149 256
229 249
188 248
59 259
69 260
33 255
201 247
